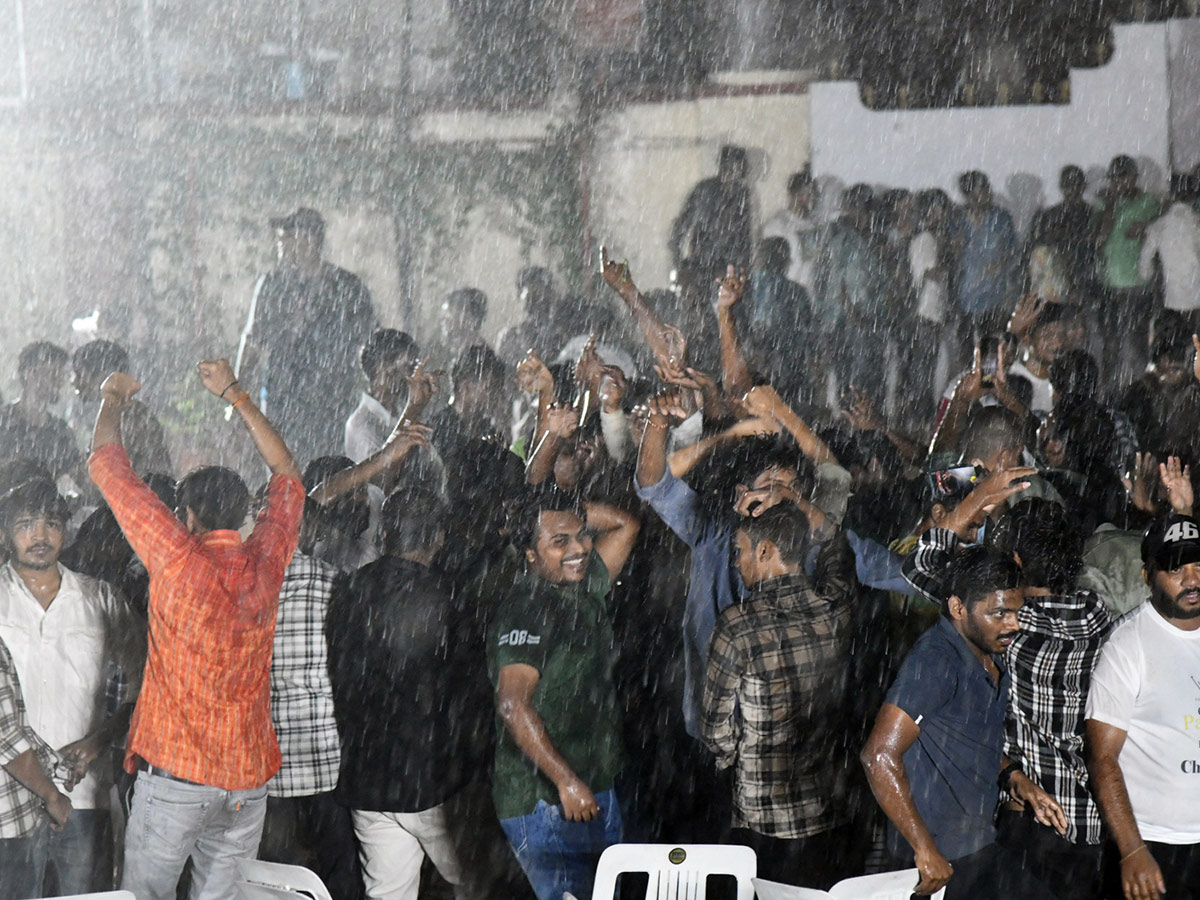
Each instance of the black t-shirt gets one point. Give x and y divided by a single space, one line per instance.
52 443
410 691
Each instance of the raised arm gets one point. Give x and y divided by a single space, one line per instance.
554 428
218 377
652 454
764 401
883 758
514 702
687 458
735 374
615 531
1141 877
660 336
405 438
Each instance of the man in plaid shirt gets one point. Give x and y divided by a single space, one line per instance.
27 793
1050 661
775 686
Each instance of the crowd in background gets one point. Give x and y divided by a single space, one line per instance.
840 547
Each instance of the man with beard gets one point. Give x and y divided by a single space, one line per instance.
62 630
936 754
1142 724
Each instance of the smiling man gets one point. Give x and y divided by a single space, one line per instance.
935 758
1142 724
550 654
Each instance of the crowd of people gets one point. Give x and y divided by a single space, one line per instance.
726 562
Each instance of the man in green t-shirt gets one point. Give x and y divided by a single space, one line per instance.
550 652
1128 301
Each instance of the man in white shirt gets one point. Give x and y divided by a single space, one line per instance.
1174 238
797 224
387 358
1143 728
68 634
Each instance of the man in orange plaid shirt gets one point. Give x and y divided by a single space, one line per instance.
201 739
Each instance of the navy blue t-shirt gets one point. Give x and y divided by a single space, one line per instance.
953 766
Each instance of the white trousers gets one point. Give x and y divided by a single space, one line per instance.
395 844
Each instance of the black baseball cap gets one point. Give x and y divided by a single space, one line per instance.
1171 542
303 219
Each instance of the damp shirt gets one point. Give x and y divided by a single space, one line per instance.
955 761
563 631
1147 683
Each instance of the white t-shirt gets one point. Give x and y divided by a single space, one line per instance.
1147 683
931 293
1043 393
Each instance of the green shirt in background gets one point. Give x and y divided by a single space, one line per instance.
565 633
1119 256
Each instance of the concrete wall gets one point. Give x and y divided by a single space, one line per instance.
645 158
1122 107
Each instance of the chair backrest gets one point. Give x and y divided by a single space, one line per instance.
287 878
248 890
884 886
677 871
773 890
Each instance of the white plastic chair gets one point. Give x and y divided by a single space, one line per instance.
249 891
103 895
293 879
677 871
884 886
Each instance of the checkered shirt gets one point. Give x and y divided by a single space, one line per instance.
1050 664
21 810
773 698
301 694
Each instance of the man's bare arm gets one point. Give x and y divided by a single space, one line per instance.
616 530
883 759
405 438
28 770
1141 877
218 377
514 702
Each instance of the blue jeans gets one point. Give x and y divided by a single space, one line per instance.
172 820
559 855
71 851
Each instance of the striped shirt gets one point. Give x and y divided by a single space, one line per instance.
203 712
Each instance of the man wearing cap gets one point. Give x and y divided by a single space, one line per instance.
1143 724
308 320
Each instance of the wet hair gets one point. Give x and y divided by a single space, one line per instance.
412 519
858 198
217 495
970 182
1172 337
41 353
774 255
472 300
1121 166
1052 314
1183 186
1074 374
100 358
799 181
525 512
976 572
1074 174
17 471
477 364
730 154
988 430
386 345
1048 542
758 454
785 526
38 496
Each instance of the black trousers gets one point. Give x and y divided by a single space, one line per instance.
1070 871
317 833
818 861
993 873
1180 865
